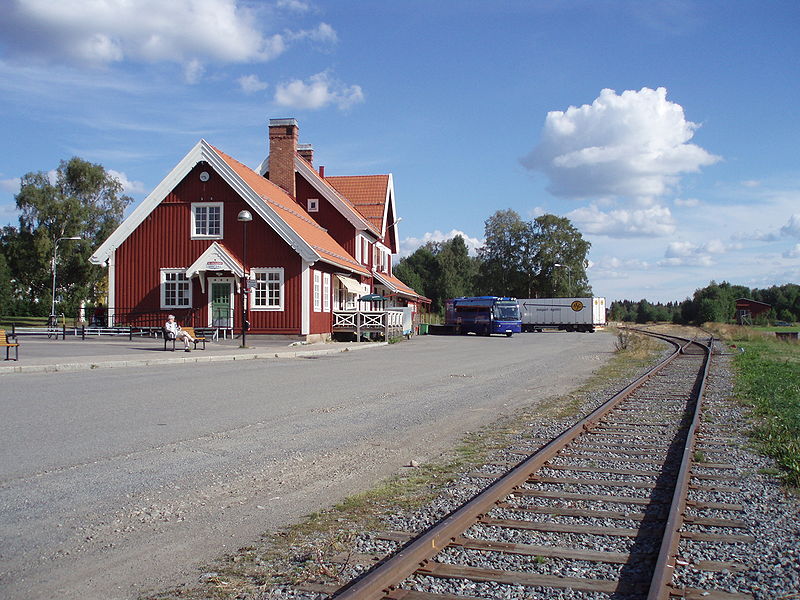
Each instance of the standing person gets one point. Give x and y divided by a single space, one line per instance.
173 330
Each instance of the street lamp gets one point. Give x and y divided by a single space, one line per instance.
244 217
569 276
55 249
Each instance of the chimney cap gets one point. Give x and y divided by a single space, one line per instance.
305 147
283 122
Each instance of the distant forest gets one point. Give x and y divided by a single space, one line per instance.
713 303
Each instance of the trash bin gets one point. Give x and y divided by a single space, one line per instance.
423 329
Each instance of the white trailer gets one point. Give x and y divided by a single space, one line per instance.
568 314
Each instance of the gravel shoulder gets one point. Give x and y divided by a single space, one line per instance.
772 515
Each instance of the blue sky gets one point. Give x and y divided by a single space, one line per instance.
666 132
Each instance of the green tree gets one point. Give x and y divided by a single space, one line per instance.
83 200
507 267
558 242
457 270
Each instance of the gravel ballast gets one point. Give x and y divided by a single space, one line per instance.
771 562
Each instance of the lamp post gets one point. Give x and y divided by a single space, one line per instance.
569 276
55 249
244 217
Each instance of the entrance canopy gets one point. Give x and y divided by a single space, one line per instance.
216 258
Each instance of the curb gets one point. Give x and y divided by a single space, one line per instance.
147 362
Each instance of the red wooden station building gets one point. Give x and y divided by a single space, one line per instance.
306 246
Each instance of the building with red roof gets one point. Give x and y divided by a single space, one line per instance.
313 245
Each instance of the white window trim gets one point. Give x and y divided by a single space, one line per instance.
326 292
317 291
281 291
313 205
163 289
193 230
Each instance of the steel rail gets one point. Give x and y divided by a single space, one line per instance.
661 582
379 581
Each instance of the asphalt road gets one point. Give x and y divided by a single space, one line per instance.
118 482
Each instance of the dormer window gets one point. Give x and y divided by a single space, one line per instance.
207 220
313 205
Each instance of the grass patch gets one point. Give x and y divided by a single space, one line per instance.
768 381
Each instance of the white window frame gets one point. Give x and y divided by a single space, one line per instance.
326 292
268 274
317 291
167 280
313 205
207 236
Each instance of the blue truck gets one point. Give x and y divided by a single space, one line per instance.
482 315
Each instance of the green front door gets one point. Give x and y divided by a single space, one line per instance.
221 314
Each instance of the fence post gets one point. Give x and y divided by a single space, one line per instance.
83 333
63 330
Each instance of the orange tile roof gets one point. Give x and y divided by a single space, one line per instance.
366 192
402 287
294 216
345 199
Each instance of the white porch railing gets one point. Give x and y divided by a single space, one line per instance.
358 322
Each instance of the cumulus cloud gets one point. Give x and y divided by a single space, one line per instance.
10 185
410 244
685 253
642 222
634 145
316 92
792 228
793 252
128 186
103 32
251 84
295 5
322 33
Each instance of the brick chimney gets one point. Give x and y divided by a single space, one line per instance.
306 151
283 134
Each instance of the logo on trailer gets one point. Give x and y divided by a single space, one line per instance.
577 306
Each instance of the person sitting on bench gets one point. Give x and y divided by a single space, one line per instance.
173 330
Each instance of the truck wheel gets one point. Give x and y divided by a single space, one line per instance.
509 334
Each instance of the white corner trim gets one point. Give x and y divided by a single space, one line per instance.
305 298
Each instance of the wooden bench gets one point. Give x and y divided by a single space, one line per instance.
168 337
8 345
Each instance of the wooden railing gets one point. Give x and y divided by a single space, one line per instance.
387 323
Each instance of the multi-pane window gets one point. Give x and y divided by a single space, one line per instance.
176 290
326 292
268 293
207 219
317 291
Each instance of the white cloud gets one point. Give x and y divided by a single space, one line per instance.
792 228
108 31
193 71
316 92
295 5
322 33
632 145
687 202
10 185
251 84
751 183
793 253
410 244
645 222
128 186
684 253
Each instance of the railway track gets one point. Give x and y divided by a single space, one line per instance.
598 512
